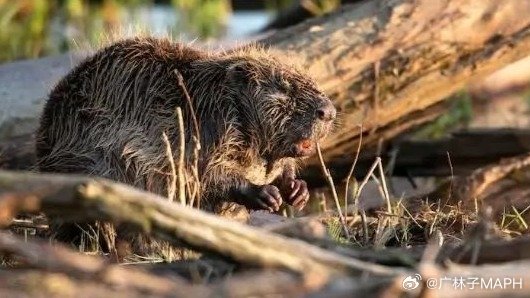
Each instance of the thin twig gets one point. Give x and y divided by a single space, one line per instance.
172 185
358 194
182 150
365 226
385 189
196 140
365 180
450 192
326 173
350 173
188 100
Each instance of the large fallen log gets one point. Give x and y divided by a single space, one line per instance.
384 61
78 198
390 65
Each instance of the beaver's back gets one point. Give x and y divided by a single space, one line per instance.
107 116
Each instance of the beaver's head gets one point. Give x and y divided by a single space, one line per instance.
283 105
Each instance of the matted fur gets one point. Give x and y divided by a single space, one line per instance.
107 116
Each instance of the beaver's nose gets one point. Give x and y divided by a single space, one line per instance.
327 112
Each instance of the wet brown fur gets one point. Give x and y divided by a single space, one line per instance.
106 117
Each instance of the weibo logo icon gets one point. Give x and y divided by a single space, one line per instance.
411 282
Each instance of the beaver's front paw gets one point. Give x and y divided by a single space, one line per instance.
266 197
298 194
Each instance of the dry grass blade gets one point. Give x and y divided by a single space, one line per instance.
352 169
366 178
195 188
386 196
190 104
181 164
329 179
172 185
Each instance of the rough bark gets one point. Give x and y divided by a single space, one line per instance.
383 61
78 198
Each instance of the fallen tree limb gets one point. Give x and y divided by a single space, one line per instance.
474 185
38 283
493 251
298 12
472 188
77 198
58 259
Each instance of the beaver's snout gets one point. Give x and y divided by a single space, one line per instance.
326 112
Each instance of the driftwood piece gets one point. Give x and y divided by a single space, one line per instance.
475 187
78 198
58 259
492 251
38 283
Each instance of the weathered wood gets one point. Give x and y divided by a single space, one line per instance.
485 275
78 198
383 61
468 190
492 251
38 283
58 259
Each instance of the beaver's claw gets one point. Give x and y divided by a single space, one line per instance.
298 193
267 197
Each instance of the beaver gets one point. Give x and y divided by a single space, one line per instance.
255 118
